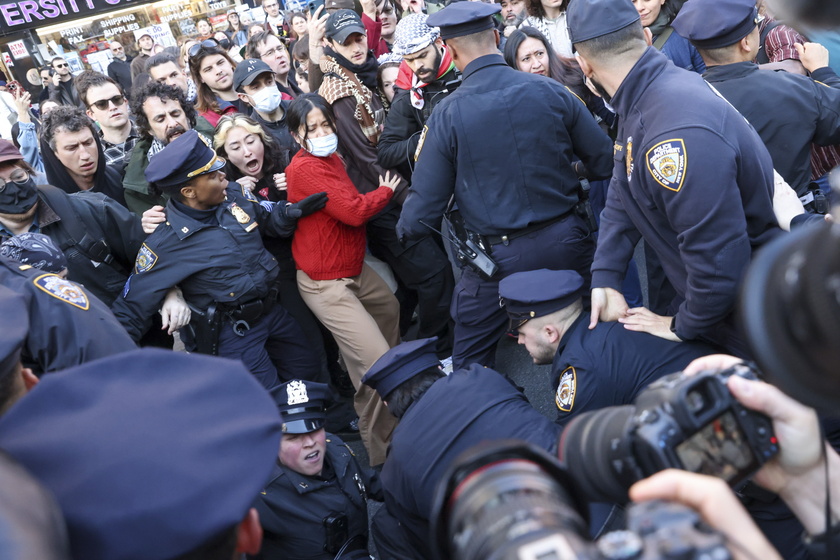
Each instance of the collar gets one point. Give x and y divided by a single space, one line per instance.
649 66
184 225
483 62
729 71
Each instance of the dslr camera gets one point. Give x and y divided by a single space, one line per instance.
512 501
691 423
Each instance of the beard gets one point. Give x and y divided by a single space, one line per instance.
599 90
20 218
431 72
176 130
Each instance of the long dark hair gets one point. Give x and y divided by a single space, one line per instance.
302 106
535 8
206 99
561 69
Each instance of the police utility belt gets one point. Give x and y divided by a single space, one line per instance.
207 323
815 201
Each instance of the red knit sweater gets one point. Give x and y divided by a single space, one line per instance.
330 243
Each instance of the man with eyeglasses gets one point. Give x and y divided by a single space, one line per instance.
273 17
108 107
271 50
62 89
120 68
138 65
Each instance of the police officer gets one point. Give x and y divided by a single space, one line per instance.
691 177
590 369
211 246
314 506
512 178
150 454
67 325
440 417
788 111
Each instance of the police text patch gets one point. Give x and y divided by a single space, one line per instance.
146 259
565 397
667 163
62 289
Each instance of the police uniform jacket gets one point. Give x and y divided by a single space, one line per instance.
609 365
693 179
457 412
506 169
293 506
68 325
102 219
788 111
405 122
221 261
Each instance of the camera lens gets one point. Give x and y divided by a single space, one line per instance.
596 448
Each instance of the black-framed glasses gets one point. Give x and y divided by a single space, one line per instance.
103 104
19 176
207 44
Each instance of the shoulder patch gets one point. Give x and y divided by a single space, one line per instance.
246 192
566 389
62 289
146 259
420 143
667 163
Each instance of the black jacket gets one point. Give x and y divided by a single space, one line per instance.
120 71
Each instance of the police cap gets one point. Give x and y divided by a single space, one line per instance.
149 453
302 404
181 160
247 70
401 363
712 24
464 18
536 293
590 19
15 330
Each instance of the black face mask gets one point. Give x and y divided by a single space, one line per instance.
18 198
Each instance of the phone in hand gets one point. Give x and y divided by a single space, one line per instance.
314 5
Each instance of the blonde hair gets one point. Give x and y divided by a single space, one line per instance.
275 158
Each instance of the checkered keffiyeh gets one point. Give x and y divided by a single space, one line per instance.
412 34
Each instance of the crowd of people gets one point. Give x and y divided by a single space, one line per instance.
349 207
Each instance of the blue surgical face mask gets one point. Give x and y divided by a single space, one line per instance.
267 99
323 146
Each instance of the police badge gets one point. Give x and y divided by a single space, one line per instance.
146 259
241 215
296 392
565 397
62 289
667 163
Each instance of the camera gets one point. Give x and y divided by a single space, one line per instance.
512 501
691 423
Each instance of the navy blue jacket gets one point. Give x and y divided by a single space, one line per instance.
293 506
788 111
507 169
693 179
682 53
609 365
68 326
457 412
222 262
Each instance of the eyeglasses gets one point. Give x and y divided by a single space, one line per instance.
61 65
207 44
18 176
273 51
103 104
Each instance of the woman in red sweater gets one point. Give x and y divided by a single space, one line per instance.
348 297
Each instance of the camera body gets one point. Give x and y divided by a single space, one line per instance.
691 423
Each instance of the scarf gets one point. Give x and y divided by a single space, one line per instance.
659 25
409 81
339 83
365 72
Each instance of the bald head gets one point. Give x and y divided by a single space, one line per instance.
117 50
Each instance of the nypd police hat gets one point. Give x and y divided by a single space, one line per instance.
464 18
181 160
149 453
712 24
590 19
302 404
401 363
247 70
536 293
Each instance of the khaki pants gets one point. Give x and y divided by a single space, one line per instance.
363 316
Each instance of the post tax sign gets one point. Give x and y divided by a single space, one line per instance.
22 14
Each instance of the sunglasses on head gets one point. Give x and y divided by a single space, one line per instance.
103 104
207 44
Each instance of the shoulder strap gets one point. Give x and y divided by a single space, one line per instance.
663 38
762 57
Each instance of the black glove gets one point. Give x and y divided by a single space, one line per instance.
311 203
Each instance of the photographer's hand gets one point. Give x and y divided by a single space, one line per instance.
716 504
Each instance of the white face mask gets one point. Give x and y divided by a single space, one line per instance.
267 99
323 146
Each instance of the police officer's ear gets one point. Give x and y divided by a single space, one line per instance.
552 333
498 37
249 534
188 191
29 378
584 65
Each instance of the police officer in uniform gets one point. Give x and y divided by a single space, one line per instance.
67 325
314 506
691 177
441 417
788 111
512 177
590 369
211 246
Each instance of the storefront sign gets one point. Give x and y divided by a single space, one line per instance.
18 49
22 14
7 59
